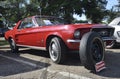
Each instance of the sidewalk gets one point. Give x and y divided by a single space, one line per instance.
5 46
2 38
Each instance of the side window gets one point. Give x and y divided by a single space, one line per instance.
26 23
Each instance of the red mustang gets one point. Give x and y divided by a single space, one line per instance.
53 35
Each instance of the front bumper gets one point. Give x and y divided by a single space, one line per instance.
74 44
108 38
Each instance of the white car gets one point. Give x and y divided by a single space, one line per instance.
116 24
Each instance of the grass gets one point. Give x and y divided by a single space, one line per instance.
3 42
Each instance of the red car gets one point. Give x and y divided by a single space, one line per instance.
54 35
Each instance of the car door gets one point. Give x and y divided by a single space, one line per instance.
25 35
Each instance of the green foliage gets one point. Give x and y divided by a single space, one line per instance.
111 15
61 8
114 12
3 42
80 21
94 9
18 9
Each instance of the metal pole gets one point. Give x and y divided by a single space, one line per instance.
40 14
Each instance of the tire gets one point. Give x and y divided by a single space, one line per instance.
111 45
14 48
91 50
57 50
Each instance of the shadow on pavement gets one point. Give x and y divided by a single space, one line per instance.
72 58
8 67
112 60
11 67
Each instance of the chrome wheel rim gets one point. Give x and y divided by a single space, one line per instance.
12 44
54 53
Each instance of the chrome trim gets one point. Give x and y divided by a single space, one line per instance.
33 47
108 38
73 41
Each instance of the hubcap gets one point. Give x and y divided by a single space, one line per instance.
12 44
54 51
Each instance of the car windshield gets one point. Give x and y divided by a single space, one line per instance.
49 21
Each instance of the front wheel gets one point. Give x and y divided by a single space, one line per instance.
91 50
57 50
14 48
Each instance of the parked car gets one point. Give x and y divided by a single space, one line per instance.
55 36
2 31
116 24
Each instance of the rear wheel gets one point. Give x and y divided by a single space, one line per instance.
14 48
91 50
57 50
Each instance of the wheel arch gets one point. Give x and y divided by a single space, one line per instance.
49 39
10 37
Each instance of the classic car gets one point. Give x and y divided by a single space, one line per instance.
55 36
115 23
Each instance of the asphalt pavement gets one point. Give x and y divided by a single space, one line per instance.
36 64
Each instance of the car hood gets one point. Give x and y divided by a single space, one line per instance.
88 26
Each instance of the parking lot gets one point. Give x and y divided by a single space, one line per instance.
36 64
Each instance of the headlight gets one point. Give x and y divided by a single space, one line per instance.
77 34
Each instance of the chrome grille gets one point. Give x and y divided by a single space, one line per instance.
104 32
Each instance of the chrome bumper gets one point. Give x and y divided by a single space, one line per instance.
108 38
103 38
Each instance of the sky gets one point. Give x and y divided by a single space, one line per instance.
109 6
111 3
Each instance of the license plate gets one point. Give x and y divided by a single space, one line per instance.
100 66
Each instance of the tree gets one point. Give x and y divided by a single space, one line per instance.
111 15
2 10
95 9
18 9
61 8
15 10
114 12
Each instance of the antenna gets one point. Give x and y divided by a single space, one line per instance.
40 9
